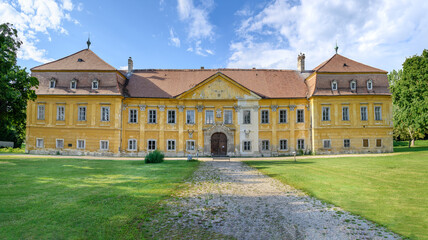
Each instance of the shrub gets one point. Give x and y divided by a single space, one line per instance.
154 157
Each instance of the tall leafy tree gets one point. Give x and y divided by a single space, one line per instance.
410 96
16 87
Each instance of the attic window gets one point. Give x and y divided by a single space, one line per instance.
80 60
345 65
52 83
73 84
353 85
95 84
334 85
369 84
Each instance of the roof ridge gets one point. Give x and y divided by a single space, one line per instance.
213 69
58 59
325 63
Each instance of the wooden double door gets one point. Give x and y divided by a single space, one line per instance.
218 144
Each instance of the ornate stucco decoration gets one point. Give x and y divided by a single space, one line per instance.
200 108
292 107
142 107
274 107
161 108
180 108
218 113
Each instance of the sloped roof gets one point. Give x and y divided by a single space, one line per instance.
341 64
171 83
84 60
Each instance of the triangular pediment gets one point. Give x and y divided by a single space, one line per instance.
216 87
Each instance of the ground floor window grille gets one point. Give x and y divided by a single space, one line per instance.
80 144
301 144
378 142
190 145
326 144
60 143
171 145
365 143
265 145
132 145
283 144
151 145
39 142
247 146
346 143
103 145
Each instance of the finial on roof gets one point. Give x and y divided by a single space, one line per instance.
335 48
89 41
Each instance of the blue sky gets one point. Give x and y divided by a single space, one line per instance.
219 34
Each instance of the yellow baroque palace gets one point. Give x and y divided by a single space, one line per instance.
84 106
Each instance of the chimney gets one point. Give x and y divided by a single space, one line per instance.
130 65
301 62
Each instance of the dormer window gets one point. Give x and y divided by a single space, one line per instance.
52 83
334 85
73 84
353 85
369 84
95 84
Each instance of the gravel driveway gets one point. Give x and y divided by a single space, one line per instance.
232 199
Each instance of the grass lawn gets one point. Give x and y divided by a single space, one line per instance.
390 190
83 199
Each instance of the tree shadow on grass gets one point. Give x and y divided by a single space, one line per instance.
412 149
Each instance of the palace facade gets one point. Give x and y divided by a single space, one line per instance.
84 106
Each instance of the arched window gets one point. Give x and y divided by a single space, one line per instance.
353 85
95 84
369 84
52 83
334 85
73 84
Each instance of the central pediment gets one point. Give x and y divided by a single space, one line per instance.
218 87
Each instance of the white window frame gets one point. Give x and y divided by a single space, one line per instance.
326 114
150 119
52 83
73 82
38 145
244 147
263 121
175 116
244 117
132 142
97 84
297 115
60 116
192 121
130 117
380 113
101 145
298 144
167 145
344 143
225 118
265 147
380 142
328 142
364 116
286 116
353 85
369 84
148 144
189 144
334 85
206 117
41 112
79 113
105 114
280 144
56 143
368 142
347 113
77 144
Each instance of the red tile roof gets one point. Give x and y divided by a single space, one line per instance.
341 64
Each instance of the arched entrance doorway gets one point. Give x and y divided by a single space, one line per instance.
218 144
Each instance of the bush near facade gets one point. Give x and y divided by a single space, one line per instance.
154 157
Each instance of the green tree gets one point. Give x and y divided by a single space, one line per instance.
16 87
410 96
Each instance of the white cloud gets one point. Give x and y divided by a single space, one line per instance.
174 40
380 33
33 17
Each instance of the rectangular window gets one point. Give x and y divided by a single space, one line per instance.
60 143
73 85
265 116
365 143
265 145
81 114
95 84
300 144
103 145
170 145
283 116
152 116
326 113
246 146
80 144
151 145
39 143
228 116
190 116
345 113
326 143
209 117
41 112
52 84
105 114
363 113
132 145
190 145
378 113
346 143
300 115
60 113
171 116
378 142
247 116
283 144
133 115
